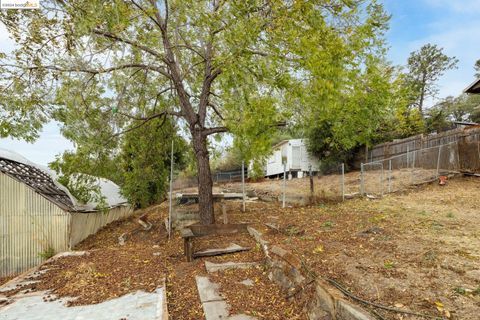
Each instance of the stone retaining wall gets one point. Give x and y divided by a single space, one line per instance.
286 270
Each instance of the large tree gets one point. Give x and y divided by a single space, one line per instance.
425 67
215 65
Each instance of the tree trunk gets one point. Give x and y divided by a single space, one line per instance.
205 184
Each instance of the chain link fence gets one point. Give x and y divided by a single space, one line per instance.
411 168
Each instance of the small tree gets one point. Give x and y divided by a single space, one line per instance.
425 67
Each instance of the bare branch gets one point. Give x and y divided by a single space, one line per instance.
127 41
147 14
216 110
209 131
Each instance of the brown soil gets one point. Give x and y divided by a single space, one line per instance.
418 251
4 280
110 270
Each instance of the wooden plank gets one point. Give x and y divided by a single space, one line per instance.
186 233
219 229
216 252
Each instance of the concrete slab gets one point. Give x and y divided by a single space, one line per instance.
135 306
214 306
215 310
207 290
214 267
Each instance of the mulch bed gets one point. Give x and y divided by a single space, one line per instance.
263 300
111 270
4 280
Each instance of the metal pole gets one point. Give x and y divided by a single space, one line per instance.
362 178
310 176
284 183
243 186
438 160
408 156
459 167
389 175
382 178
170 196
343 181
412 175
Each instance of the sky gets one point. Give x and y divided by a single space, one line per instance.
450 24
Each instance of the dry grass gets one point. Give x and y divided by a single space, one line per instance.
418 250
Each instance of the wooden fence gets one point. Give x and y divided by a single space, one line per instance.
468 140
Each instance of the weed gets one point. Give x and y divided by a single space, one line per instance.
327 224
47 253
464 291
450 215
388 264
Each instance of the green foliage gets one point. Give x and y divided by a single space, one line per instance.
47 253
105 68
462 108
425 67
477 68
140 163
145 162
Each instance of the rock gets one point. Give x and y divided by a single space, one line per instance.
214 267
247 282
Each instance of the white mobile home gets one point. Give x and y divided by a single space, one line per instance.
294 153
39 215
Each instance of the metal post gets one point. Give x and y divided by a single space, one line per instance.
412 175
284 183
312 191
408 156
459 166
382 178
243 186
170 196
343 181
362 180
438 160
389 175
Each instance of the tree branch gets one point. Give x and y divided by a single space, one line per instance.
94 71
209 131
130 42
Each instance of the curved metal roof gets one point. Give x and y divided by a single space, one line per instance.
38 180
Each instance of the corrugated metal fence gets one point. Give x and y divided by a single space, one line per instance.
31 225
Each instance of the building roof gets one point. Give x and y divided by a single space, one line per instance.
285 141
474 87
38 180
44 181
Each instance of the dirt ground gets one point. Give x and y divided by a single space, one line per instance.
4 280
110 270
329 187
417 251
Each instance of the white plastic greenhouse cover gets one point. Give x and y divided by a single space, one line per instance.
108 189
